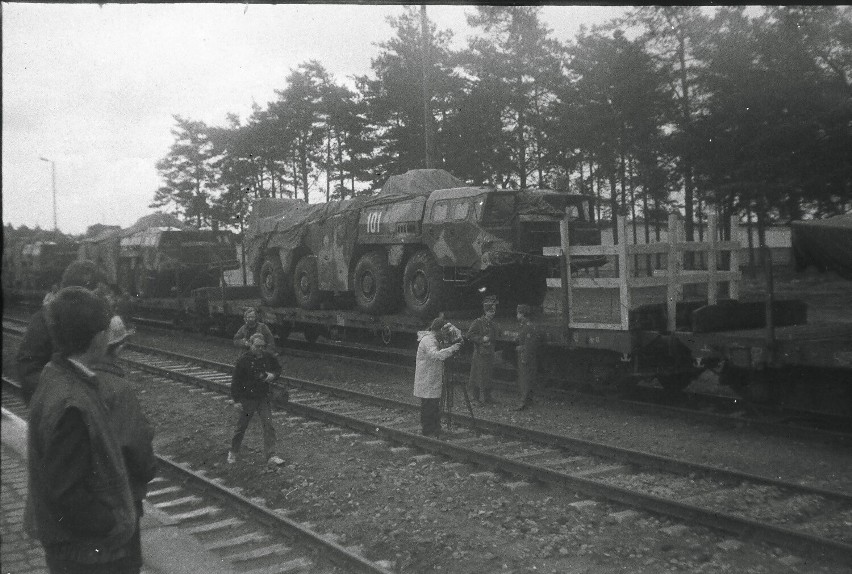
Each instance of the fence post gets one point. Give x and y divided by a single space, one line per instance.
564 233
673 271
712 285
734 283
623 273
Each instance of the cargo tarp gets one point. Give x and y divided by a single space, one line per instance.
825 244
283 223
419 182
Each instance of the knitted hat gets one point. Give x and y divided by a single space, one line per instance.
490 301
82 274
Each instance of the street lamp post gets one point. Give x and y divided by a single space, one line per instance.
53 183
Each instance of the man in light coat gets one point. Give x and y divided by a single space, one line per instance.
429 376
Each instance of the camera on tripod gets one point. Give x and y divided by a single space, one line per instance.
450 335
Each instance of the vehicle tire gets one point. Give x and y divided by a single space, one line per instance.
306 283
275 290
675 383
311 334
376 290
423 286
534 289
141 281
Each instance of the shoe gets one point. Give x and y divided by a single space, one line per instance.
232 457
275 460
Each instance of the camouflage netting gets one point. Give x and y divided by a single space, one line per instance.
825 244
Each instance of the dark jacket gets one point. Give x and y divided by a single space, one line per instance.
248 380
33 353
80 504
135 435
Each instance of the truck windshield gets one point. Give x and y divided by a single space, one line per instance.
496 208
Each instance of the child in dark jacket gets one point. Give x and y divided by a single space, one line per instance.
253 373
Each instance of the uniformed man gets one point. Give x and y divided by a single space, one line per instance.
528 340
483 333
249 328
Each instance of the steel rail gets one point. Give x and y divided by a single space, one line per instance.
328 549
802 542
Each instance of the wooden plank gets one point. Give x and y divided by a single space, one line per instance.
594 250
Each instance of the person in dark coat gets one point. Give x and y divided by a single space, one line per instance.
36 347
483 334
80 505
528 342
134 431
252 326
250 389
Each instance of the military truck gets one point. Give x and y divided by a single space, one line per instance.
427 241
39 265
161 257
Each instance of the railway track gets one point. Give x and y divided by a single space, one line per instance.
244 532
807 520
726 411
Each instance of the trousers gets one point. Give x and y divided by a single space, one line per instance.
248 408
430 416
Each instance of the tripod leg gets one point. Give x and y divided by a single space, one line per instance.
469 407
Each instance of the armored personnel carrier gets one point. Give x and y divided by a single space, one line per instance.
427 241
159 256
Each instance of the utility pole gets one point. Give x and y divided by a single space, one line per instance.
53 182
427 111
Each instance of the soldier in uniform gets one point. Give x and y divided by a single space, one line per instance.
483 332
252 326
528 340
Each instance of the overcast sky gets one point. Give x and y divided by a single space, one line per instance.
94 88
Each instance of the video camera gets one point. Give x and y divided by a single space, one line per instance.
450 335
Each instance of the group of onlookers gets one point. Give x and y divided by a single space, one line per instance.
90 445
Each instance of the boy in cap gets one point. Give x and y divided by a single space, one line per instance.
80 504
527 356
429 376
36 347
483 333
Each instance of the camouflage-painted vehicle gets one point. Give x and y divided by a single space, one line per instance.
426 241
39 265
161 257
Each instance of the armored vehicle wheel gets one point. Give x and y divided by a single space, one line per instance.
675 383
306 283
376 290
274 287
423 286
311 334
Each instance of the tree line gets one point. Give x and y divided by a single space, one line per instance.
745 111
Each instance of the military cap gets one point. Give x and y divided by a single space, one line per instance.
82 274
